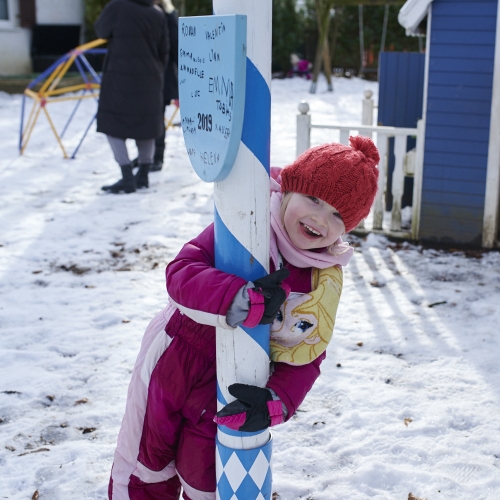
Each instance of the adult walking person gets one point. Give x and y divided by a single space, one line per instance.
131 98
171 81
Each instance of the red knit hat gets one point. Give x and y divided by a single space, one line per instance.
343 176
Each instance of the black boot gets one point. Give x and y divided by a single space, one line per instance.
159 153
125 185
141 177
156 166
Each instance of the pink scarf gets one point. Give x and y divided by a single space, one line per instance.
281 243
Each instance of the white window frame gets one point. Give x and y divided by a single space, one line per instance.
12 11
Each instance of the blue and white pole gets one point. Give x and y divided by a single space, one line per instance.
243 459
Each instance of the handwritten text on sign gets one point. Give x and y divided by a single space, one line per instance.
212 71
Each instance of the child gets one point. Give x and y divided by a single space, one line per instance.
167 437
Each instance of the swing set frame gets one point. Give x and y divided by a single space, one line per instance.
50 92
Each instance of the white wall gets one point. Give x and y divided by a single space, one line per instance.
14 44
59 11
15 52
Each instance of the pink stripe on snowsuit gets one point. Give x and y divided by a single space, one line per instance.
168 430
125 463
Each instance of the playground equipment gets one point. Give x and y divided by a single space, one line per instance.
169 123
51 91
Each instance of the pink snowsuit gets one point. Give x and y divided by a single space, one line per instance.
167 437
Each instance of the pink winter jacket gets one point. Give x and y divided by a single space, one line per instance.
203 295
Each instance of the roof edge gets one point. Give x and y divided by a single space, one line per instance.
412 13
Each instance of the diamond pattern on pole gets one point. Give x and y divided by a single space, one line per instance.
243 474
224 490
219 466
259 469
235 472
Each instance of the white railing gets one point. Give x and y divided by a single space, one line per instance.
407 164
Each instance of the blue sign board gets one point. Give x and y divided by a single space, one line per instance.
212 73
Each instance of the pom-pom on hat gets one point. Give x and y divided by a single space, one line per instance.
343 176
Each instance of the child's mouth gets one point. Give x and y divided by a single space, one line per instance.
310 231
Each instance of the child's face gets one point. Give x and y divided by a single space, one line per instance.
311 222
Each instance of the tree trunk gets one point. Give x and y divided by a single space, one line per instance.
336 25
361 41
182 8
323 19
327 65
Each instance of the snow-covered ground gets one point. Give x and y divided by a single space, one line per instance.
409 397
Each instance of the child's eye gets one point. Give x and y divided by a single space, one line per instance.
313 198
336 214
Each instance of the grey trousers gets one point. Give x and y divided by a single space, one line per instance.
146 149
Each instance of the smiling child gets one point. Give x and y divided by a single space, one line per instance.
167 437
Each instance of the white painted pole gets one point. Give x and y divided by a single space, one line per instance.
303 129
379 204
367 114
417 180
492 194
242 235
366 119
398 180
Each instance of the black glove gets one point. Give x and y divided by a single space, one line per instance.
253 411
274 294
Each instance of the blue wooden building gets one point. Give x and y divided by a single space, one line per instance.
461 112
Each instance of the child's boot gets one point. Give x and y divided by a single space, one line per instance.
141 177
125 185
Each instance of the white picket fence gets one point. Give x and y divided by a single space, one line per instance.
406 164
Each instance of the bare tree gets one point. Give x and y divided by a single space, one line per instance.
322 58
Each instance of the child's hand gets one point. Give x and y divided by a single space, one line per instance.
266 298
253 411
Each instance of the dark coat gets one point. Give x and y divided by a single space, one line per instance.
171 87
131 98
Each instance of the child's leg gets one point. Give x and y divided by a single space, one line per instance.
178 426
133 474
137 490
195 462
167 410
